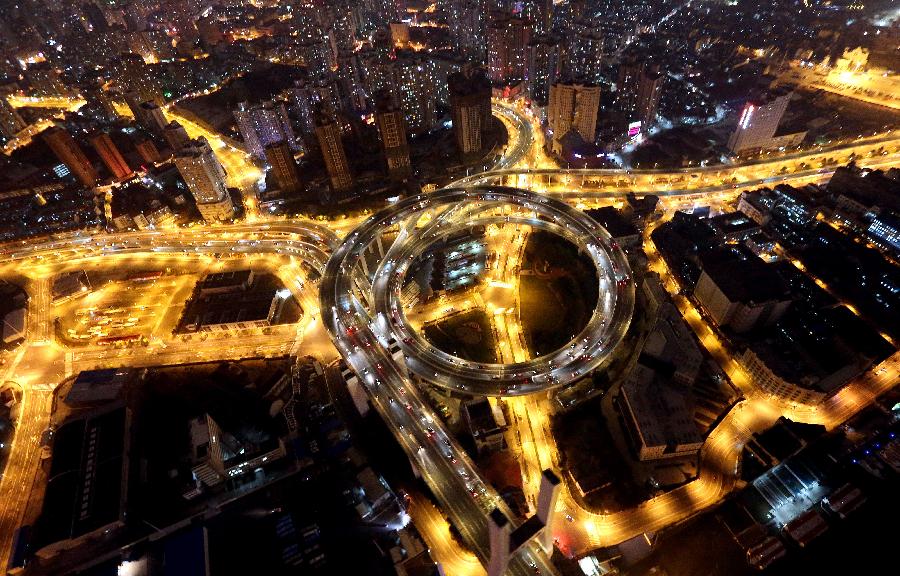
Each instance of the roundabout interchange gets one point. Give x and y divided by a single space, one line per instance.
359 309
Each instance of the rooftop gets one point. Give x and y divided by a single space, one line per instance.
662 413
742 276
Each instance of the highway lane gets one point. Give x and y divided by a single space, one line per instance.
864 149
428 520
357 319
604 529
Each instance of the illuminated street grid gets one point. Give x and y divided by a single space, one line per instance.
42 361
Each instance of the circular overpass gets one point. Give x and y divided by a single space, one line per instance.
359 298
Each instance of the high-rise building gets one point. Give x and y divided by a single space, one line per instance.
205 178
95 17
470 108
135 17
99 104
284 168
70 153
466 19
305 97
507 40
758 121
342 33
11 122
573 106
392 130
586 53
540 13
350 75
416 87
317 56
176 135
148 151
152 118
110 155
542 68
263 124
328 133
640 88
135 75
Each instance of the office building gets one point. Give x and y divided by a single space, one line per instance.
263 124
205 178
758 122
572 106
507 39
70 153
659 417
110 155
328 133
486 424
280 159
11 122
176 135
392 130
639 90
470 108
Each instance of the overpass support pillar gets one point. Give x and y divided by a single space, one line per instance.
498 530
547 496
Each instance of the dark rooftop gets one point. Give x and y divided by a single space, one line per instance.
85 490
742 276
614 222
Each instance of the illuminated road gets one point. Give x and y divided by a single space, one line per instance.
361 313
41 363
571 183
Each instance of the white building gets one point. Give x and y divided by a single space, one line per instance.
659 417
758 122
264 124
205 178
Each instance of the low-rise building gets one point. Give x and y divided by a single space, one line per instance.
791 376
734 226
620 228
740 291
658 416
97 386
672 342
235 301
87 489
486 424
